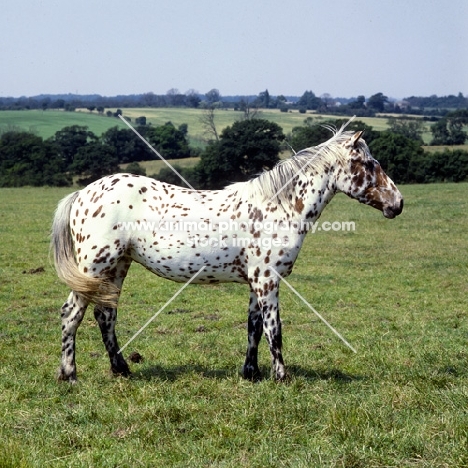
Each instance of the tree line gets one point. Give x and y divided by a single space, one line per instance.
238 153
27 159
360 105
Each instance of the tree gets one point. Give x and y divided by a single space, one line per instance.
171 96
312 134
94 161
402 159
135 168
447 166
377 102
213 96
25 159
412 129
192 98
264 99
126 145
245 149
250 111
449 130
207 120
170 141
310 101
327 100
359 103
70 139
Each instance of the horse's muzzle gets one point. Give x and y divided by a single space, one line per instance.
391 211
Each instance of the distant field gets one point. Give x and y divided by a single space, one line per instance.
153 167
46 123
433 149
223 118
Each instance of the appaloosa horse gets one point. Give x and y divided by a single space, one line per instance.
239 234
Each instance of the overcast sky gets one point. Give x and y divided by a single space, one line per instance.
341 47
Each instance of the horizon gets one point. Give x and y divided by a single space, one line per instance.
358 47
240 96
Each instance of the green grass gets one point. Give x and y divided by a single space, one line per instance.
46 123
153 167
433 149
396 290
223 118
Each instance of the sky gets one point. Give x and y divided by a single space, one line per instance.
342 47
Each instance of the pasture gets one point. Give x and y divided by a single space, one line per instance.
154 166
46 123
395 289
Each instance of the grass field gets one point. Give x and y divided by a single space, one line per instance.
223 118
433 149
153 167
397 291
46 123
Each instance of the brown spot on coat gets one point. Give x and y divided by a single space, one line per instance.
299 205
97 211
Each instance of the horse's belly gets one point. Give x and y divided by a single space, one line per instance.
181 258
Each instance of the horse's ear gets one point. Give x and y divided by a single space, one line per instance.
355 138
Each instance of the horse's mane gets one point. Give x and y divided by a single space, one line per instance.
316 159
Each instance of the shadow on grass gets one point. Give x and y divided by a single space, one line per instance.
174 373
335 375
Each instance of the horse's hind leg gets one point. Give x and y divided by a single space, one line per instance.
106 318
72 314
254 329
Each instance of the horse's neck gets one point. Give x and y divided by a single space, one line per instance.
318 192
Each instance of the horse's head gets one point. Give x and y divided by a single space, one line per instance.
364 179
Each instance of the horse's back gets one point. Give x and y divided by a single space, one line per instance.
167 229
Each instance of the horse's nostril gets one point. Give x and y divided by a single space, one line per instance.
401 204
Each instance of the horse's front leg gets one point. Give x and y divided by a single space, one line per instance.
106 318
267 291
72 314
272 330
254 330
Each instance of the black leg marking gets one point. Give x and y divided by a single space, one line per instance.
72 314
254 330
272 329
106 318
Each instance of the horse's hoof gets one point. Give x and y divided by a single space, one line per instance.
121 372
251 373
62 376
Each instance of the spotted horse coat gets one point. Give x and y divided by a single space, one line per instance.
221 236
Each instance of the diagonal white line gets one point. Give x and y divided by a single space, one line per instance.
154 150
307 163
161 309
313 310
292 177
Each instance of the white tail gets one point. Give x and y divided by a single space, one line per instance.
97 290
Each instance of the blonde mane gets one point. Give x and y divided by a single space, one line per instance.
316 159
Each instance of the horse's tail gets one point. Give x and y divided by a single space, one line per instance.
97 290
